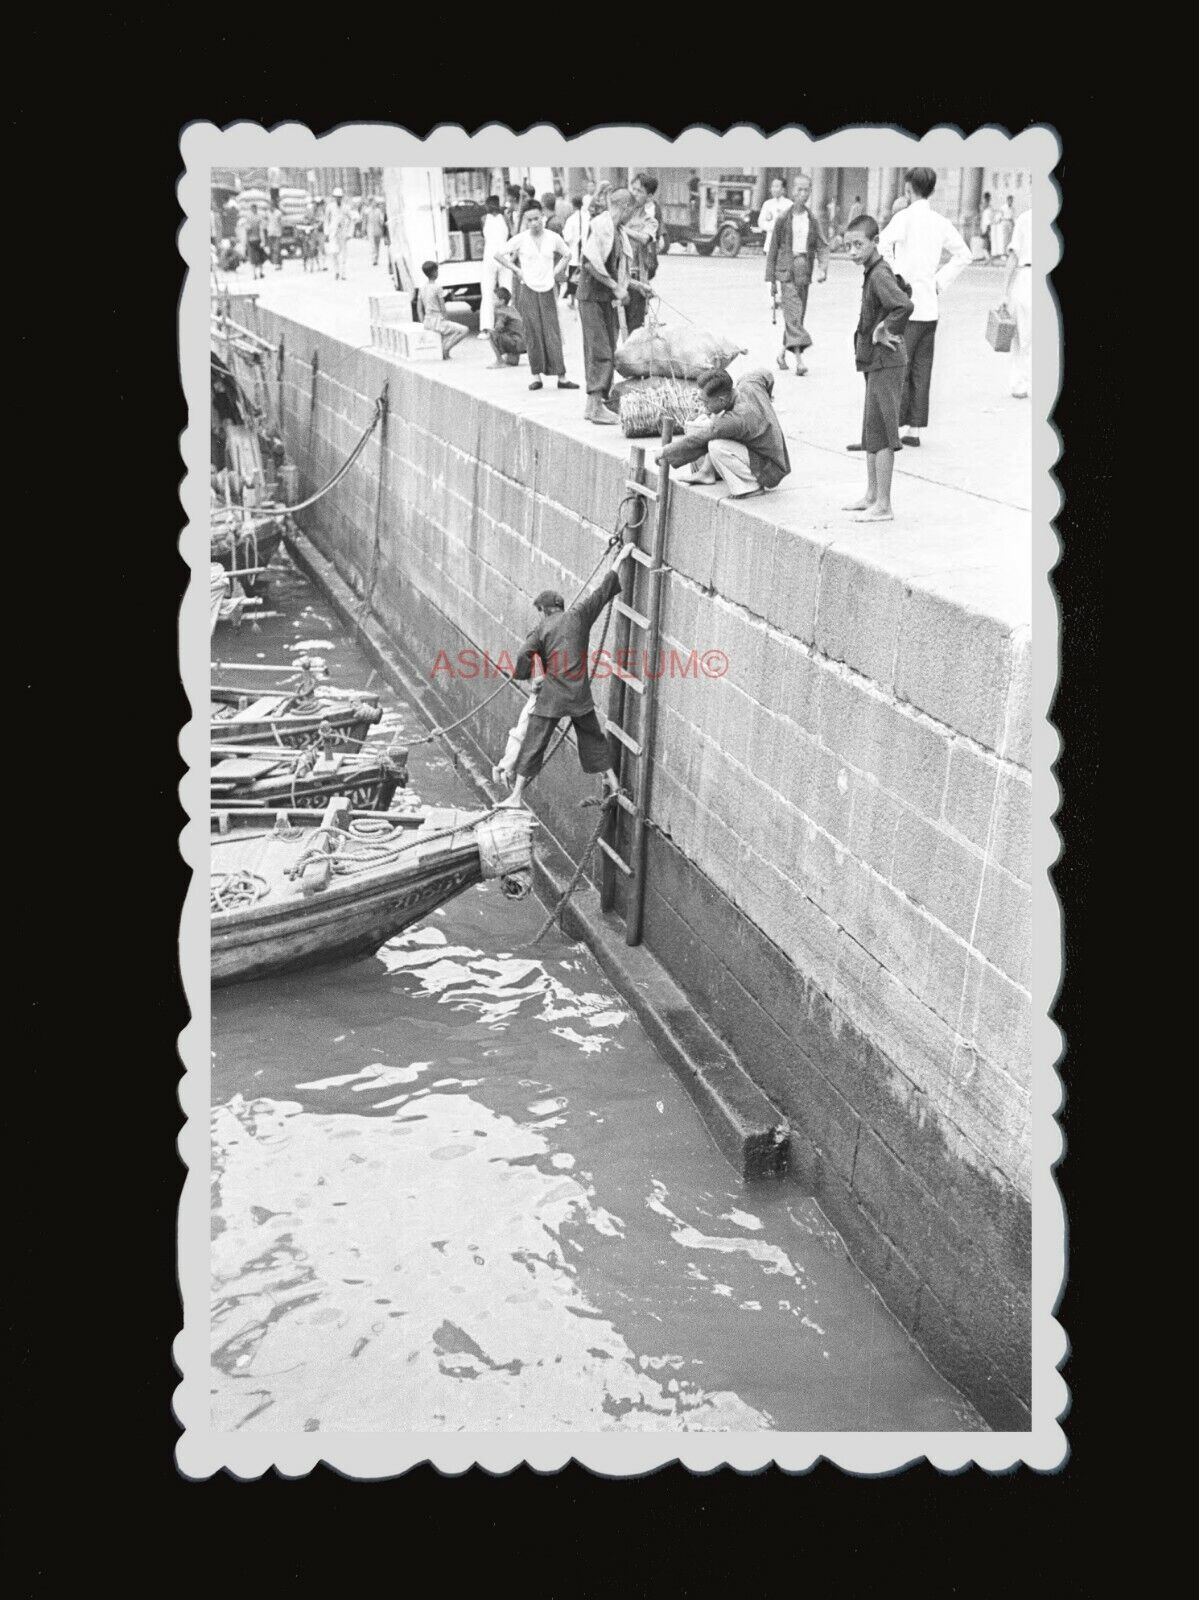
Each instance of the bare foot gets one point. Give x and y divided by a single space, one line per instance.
859 505
876 514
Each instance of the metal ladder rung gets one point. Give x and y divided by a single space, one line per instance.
627 677
616 860
641 488
618 733
633 616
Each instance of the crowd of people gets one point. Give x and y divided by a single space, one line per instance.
597 254
263 235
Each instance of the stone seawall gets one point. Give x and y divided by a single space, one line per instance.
839 868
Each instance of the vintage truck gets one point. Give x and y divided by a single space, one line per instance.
712 213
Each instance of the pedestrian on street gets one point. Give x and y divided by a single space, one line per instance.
432 310
254 246
561 642
337 233
831 211
914 243
527 196
880 355
549 204
508 335
642 231
797 248
1001 226
512 208
374 229
987 223
1018 295
740 440
538 260
855 211
572 237
274 233
772 209
495 238
604 287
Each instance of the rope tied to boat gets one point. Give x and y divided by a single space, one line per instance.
605 805
329 840
235 889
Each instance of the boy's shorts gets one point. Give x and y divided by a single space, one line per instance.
594 755
880 416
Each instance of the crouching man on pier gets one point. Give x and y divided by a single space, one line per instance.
740 440
561 641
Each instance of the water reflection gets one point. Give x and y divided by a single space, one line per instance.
454 1187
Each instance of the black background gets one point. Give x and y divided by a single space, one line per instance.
95 526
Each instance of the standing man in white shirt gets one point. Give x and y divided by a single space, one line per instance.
538 260
773 208
495 238
1018 295
914 243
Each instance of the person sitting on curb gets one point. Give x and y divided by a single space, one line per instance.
432 310
507 337
740 440
561 641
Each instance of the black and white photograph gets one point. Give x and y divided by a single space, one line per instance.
621 1013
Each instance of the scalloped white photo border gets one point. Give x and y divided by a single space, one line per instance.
202 1450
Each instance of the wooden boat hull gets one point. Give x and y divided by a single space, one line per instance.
352 722
320 932
353 915
372 790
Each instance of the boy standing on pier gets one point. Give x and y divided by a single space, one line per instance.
881 358
432 310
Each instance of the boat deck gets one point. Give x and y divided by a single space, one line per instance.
268 855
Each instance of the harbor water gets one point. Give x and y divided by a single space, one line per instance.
455 1188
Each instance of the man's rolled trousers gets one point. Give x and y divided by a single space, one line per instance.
600 319
793 273
543 332
562 643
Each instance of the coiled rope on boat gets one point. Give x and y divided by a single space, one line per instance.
235 889
328 841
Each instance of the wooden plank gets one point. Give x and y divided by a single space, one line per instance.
641 488
617 861
627 677
633 616
640 556
618 733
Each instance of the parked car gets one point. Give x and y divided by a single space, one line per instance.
711 215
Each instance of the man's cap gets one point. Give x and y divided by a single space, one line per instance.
549 600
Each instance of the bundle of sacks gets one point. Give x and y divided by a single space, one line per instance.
683 352
645 403
662 364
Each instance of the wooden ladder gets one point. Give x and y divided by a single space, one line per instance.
631 720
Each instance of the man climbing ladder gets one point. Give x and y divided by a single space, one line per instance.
561 641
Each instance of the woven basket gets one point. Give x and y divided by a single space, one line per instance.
645 403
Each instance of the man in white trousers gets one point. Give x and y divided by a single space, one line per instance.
914 244
1018 296
495 237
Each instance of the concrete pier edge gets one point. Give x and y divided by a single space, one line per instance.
744 1125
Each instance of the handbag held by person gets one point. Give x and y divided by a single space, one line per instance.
1001 329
